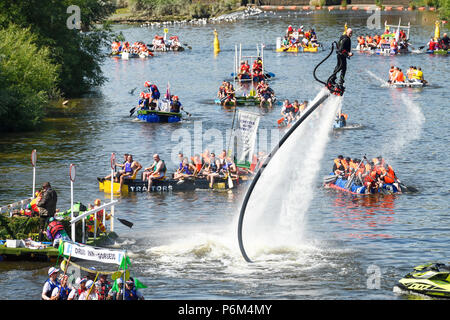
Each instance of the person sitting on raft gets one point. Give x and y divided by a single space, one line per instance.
222 90
266 94
175 105
130 168
154 94
288 111
157 171
244 71
230 95
185 170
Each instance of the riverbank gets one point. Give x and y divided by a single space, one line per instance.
125 16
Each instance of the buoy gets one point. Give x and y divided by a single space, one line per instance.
437 31
216 42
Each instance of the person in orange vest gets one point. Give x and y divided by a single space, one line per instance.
400 77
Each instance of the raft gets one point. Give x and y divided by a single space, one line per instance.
339 184
298 49
47 252
413 84
159 116
243 101
169 185
440 51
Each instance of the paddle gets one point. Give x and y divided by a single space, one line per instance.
186 112
132 111
126 222
280 121
407 188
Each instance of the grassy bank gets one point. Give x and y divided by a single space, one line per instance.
173 10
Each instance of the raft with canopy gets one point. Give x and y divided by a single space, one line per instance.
394 34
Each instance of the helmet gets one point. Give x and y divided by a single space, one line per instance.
147 84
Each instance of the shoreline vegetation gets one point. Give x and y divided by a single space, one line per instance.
159 11
44 62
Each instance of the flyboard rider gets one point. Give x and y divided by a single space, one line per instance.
343 51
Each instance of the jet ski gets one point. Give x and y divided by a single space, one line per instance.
432 279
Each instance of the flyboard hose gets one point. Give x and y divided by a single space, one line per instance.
272 153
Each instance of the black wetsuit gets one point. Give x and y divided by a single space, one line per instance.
342 50
445 42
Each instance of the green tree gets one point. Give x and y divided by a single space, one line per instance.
78 52
27 76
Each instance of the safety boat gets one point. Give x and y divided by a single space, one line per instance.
162 44
436 47
334 182
432 279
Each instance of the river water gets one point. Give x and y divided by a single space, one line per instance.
319 244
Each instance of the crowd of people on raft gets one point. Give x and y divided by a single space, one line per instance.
291 112
413 74
372 174
263 93
299 38
254 73
57 287
384 41
149 98
204 166
138 48
161 44
439 44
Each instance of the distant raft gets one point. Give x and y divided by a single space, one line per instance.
156 116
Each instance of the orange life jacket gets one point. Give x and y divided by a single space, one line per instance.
400 77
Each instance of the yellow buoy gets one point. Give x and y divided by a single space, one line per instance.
345 28
216 42
437 31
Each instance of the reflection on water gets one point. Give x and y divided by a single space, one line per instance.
364 215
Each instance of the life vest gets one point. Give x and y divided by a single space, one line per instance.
131 294
128 168
345 164
55 227
103 291
390 175
400 77
419 74
163 169
213 165
52 287
64 293
361 41
185 169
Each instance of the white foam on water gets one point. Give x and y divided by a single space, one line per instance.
406 129
274 221
382 82
275 214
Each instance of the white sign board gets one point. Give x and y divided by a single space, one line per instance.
84 252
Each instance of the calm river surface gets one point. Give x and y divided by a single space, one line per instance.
184 245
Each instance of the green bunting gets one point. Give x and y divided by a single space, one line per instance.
139 284
115 287
61 248
125 263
